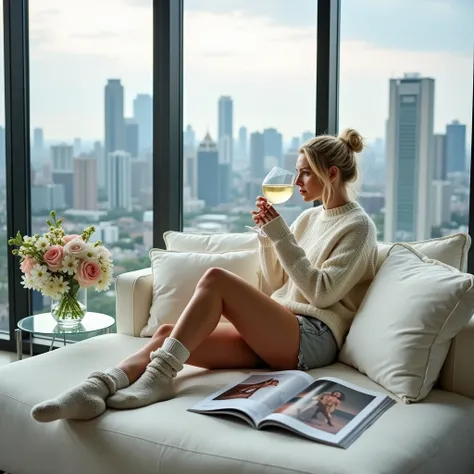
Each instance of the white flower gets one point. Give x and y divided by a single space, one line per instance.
27 282
42 244
50 289
104 253
70 265
103 284
61 285
27 239
105 280
40 275
92 253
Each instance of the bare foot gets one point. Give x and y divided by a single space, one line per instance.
135 365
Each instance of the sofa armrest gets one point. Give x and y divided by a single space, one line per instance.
134 295
457 374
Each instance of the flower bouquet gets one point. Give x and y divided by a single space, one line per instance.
62 267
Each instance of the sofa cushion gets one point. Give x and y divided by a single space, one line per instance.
451 250
210 243
403 329
176 274
164 438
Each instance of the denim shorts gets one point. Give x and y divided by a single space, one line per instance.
318 347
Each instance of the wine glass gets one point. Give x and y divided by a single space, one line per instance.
277 187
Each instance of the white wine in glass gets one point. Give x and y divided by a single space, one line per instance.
277 187
277 193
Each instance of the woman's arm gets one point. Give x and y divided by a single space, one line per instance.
273 273
325 286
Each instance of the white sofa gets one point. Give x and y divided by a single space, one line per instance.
431 437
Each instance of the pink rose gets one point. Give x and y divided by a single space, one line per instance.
27 265
68 238
53 257
76 247
88 273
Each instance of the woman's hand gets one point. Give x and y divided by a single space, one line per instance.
265 213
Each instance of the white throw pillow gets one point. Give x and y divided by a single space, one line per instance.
210 243
175 275
403 329
451 250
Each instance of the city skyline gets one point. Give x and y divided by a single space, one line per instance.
274 89
189 129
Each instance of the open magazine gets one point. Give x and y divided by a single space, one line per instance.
327 410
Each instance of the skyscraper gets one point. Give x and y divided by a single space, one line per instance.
61 157
85 183
273 143
114 120
189 137
243 140
190 170
131 137
441 202
295 143
439 155
225 129
119 186
62 172
410 146
456 146
142 177
208 172
257 155
38 145
114 123
143 116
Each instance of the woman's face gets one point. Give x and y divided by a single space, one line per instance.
311 188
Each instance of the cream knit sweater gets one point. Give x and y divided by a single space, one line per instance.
323 265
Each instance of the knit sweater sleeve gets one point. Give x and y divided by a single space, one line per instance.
272 271
322 287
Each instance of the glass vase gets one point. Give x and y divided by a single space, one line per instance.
71 308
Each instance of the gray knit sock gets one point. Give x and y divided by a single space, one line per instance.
85 401
156 383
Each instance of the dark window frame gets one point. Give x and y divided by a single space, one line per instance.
17 143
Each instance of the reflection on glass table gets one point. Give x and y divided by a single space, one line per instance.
45 324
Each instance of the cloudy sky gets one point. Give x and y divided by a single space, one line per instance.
260 52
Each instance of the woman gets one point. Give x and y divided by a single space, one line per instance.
317 272
325 403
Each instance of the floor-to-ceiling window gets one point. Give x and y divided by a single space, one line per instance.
91 71
409 92
249 103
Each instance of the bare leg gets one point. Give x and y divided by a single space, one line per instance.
262 333
225 340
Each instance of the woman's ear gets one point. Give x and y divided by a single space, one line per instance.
333 173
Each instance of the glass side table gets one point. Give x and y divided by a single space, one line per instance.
45 324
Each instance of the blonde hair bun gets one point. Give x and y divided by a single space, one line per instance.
353 139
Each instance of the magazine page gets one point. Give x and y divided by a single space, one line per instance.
256 394
330 410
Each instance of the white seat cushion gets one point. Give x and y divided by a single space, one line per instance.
164 438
